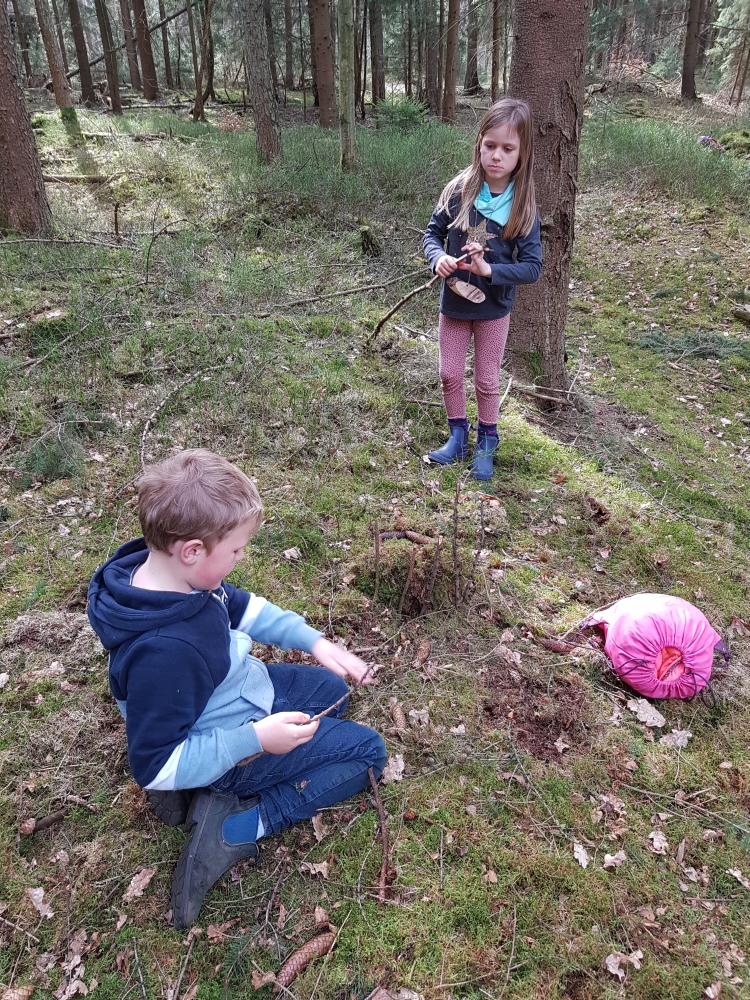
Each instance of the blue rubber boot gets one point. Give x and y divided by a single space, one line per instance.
482 463
455 449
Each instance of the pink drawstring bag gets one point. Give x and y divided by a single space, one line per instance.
661 646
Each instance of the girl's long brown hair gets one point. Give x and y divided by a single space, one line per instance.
516 113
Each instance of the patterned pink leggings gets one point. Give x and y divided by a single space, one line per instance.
490 336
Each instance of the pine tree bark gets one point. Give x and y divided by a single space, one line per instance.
554 87
288 46
313 66
323 43
148 67
60 85
110 55
165 46
451 52
198 106
130 50
60 36
496 30
690 52
432 43
471 77
267 128
271 45
22 40
88 94
441 59
377 65
346 84
23 200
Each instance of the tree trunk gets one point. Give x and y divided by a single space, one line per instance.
267 128
471 78
148 68
60 37
165 46
690 54
271 45
110 55
451 51
441 59
496 29
432 44
377 66
313 65
203 61
88 94
127 30
408 61
209 67
23 200
60 84
554 87
288 43
22 40
198 106
346 84
323 44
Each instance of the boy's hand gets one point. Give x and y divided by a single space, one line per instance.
341 662
285 731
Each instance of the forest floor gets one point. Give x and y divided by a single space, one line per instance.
544 841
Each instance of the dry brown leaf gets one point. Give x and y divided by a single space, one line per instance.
490 876
17 993
645 712
678 738
261 979
736 873
658 842
614 860
321 918
321 868
713 991
192 991
319 828
281 919
420 717
27 827
138 884
394 769
510 656
710 834
37 901
581 855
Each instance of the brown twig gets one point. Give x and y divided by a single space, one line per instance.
47 821
377 565
9 923
342 699
454 546
383 834
176 993
409 576
427 601
404 300
512 955
330 295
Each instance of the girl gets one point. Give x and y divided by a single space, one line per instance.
488 214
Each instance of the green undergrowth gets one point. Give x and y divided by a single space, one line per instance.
520 758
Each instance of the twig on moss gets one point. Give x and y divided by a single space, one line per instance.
409 576
9 923
138 967
512 954
427 600
331 295
383 834
454 545
377 564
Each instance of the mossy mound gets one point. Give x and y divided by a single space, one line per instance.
737 143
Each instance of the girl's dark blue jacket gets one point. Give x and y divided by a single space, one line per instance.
517 261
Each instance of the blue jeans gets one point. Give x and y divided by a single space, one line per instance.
329 768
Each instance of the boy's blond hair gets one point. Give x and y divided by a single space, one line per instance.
194 494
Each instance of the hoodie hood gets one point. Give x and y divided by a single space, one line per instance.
118 611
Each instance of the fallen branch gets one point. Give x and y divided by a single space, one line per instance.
341 700
404 300
330 295
427 601
377 565
20 930
72 179
35 825
409 576
454 546
512 954
383 834
160 407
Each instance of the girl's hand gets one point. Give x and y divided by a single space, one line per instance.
445 266
477 264
285 731
340 662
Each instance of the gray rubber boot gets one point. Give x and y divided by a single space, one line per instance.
206 856
171 807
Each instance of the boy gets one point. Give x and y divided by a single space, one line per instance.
200 711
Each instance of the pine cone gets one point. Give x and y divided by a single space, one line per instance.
316 947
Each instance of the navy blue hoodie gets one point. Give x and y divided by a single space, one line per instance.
181 671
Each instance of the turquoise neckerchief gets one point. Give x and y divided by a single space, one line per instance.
495 207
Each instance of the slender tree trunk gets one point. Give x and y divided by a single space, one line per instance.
496 29
132 55
88 93
409 51
451 51
346 84
22 40
288 43
148 68
267 129
432 43
506 43
741 77
690 53
377 65
179 59
165 46
471 78
60 36
323 43
441 60
110 55
203 62
194 53
313 63
555 90
209 67
60 84
23 200
271 45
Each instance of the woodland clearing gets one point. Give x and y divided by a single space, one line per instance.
544 843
